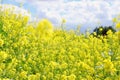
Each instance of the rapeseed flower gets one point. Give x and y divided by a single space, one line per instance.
1 42
3 55
35 51
23 75
118 25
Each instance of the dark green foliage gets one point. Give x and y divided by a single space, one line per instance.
102 31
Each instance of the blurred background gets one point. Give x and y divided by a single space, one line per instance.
85 13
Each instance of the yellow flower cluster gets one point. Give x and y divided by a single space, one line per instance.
1 42
42 53
117 24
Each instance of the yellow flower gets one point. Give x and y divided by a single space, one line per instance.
89 77
45 25
38 75
6 79
53 64
1 70
50 75
3 55
63 77
97 79
32 77
44 29
23 74
1 42
63 21
44 77
108 78
100 29
94 33
108 66
114 20
118 25
72 77
64 65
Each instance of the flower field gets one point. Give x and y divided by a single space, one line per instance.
40 52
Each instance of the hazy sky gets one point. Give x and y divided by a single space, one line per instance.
87 13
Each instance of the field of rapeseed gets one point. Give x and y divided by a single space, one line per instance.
29 52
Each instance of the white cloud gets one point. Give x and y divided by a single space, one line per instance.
15 9
77 12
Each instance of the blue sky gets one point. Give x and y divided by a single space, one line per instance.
87 13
